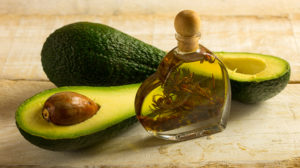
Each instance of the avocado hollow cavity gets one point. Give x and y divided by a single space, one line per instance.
249 66
68 108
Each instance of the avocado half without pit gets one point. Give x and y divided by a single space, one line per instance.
255 77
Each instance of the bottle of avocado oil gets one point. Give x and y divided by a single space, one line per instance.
189 95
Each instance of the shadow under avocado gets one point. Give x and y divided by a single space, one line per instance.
241 110
150 141
122 143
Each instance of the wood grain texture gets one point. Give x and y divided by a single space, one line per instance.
262 135
153 7
22 37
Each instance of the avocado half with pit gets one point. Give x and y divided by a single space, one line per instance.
255 77
116 114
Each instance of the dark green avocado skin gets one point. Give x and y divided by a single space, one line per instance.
80 142
253 92
93 54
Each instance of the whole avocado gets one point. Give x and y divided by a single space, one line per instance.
93 54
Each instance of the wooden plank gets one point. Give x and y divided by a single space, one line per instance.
261 135
153 7
22 37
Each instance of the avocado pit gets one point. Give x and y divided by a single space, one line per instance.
68 108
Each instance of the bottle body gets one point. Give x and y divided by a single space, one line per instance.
189 96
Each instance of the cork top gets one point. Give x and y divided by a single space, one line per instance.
187 26
187 23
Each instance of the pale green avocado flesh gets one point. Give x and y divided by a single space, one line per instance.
117 106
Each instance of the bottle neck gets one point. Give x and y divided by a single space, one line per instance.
187 44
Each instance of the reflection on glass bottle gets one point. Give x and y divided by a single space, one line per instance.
189 95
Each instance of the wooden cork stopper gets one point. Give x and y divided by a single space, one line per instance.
187 26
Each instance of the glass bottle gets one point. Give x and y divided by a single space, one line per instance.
189 95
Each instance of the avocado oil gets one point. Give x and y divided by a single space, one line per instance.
189 95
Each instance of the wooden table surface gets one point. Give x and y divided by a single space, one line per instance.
262 135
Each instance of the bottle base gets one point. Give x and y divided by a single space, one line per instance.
189 134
